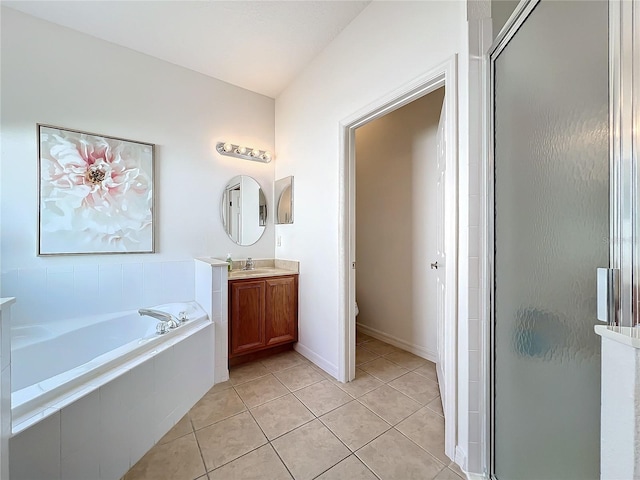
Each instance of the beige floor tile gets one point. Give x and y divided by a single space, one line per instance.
214 407
282 361
436 406
426 428
260 464
310 450
428 370
406 360
383 369
227 440
178 459
381 348
281 416
362 337
456 469
448 474
421 389
326 375
390 404
183 427
351 468
354 424
299 377
218 387
261 390
244 373
322 397
363 383
363 355
392 456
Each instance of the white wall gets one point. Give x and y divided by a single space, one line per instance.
396 175
385 47
54 75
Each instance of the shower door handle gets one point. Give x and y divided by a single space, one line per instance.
608 295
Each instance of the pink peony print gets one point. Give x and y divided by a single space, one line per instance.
96 193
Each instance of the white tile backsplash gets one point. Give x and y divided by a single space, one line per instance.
69 291
474 210
474 335
178 281
474 365
152 288
85 286
132 285
110 287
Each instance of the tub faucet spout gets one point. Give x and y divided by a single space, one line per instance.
170 320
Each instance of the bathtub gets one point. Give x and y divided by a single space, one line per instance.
110 372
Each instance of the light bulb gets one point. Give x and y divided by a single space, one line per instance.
227 147
241 150
255 152
266 156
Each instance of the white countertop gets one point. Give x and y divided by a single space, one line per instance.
626 335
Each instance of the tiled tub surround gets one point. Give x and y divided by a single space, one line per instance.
68 291
97 418
283 417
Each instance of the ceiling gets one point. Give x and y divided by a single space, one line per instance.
257 45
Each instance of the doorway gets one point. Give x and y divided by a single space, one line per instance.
442 76
397 221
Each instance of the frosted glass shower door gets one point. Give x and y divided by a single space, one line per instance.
551 232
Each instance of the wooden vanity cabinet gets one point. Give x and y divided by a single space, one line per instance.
263 313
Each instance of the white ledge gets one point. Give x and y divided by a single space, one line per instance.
6 301
626 335
214 262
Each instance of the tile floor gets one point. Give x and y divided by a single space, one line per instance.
284 418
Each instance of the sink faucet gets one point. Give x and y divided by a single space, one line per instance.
167 318
249 265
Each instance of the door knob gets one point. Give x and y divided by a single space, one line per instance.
434 266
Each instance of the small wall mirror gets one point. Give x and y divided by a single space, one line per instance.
284 200
244 210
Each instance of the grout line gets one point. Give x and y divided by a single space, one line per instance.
204 464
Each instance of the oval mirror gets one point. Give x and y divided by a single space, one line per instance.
244 210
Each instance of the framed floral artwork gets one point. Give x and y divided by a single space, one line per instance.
95 193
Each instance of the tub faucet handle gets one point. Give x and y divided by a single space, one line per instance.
183 317
161 328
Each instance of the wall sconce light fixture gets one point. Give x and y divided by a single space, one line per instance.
246 153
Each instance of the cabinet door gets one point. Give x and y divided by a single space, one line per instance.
247 316
281 320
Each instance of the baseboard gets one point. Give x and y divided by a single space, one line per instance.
476 476
312 356
397 342
461 458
